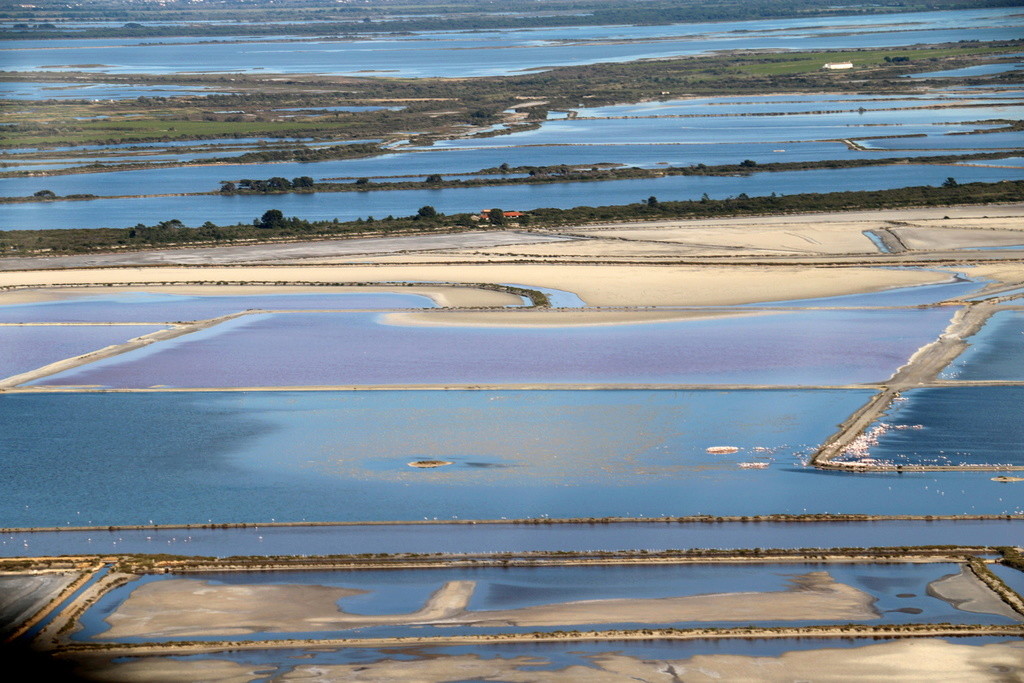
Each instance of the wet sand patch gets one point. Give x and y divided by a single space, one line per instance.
189 608
967 593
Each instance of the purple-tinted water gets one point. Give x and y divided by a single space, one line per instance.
310 349
27 348
159 307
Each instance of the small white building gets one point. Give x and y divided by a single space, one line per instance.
837 66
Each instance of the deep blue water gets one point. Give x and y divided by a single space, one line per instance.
334 456
313 540
996 352
342 349
405 591
27 348
159 306
956 425
970 71
426 161
1014 578
351 205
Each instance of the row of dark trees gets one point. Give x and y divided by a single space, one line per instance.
275 184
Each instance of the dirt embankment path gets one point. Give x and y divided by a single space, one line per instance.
922 369
176 330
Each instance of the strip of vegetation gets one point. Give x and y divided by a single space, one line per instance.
274 225
540 175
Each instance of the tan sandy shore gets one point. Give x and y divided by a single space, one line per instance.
549 318
189 608
966 592
814 595
455 297
598 285
919 660
186 607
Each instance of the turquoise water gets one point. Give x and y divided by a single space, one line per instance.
954 426
159 306
996 352
473 538
27 348
351 205
342 349
75 459
511 588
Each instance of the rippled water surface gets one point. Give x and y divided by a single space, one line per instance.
996 352
954 426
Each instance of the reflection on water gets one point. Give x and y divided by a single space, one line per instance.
75 459
341 349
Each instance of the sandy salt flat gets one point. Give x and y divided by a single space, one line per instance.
22 595
828 238
957 237
966 592
595 284
814 595
190 607
163 670
554 318
910 661
443 296
187 607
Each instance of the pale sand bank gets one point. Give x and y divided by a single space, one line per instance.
188 608
966 592
166 670
919 660
815 595
455 297
928 237
598 285
552 318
